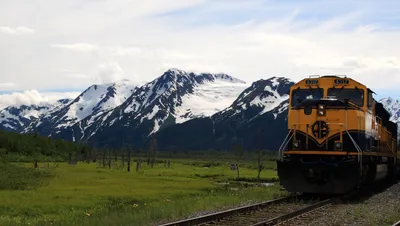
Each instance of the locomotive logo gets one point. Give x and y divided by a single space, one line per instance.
320 129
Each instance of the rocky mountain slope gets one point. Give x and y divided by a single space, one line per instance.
261 106
18 118
174 97
393 106
94 101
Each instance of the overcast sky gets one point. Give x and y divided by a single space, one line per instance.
59 46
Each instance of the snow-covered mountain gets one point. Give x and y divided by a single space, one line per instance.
183 96
262 106
175 97
94 101
261 97
17 118
393 106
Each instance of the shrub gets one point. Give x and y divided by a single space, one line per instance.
13 177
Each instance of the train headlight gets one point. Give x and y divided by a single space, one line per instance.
321 110
338 145
296 144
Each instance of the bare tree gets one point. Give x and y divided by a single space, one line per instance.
88 151
149 155
109 158
138 161
152 151
123 159
70 158
129 159
138 164
259 166
104 157
93 155
238 149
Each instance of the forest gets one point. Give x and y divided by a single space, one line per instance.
34 148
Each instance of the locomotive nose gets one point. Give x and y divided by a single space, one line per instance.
321 124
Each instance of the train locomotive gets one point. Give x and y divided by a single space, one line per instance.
339 138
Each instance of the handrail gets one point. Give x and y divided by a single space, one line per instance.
355 144
284 143
360 152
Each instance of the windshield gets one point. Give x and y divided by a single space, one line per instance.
354 95
302 94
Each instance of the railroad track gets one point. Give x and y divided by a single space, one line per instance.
257 214
300 216
292 210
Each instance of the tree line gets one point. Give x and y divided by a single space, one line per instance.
33 147
15 147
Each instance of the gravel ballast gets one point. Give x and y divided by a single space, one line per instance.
379 209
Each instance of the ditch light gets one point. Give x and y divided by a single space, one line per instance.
338 145
296 144
321 110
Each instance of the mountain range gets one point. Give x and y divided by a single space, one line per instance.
183 110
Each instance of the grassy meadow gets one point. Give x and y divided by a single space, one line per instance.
106 194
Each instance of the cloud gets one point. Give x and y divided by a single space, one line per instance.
30 97
7 85
101 50
17 30
109 72
79 47
98 41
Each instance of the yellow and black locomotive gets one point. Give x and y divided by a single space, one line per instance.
339 137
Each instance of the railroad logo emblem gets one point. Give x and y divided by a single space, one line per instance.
320 129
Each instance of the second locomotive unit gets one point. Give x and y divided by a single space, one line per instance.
339 137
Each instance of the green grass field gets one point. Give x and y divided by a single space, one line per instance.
88 194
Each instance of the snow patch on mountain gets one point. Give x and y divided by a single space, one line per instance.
261 97
16 118
281 108
183 95
174 97
152 114
208 99
393 107
95 100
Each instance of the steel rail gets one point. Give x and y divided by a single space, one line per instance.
308 209
396 224
227 213
294 214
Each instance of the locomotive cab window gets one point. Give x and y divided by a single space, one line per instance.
298 95
370 100
356 96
